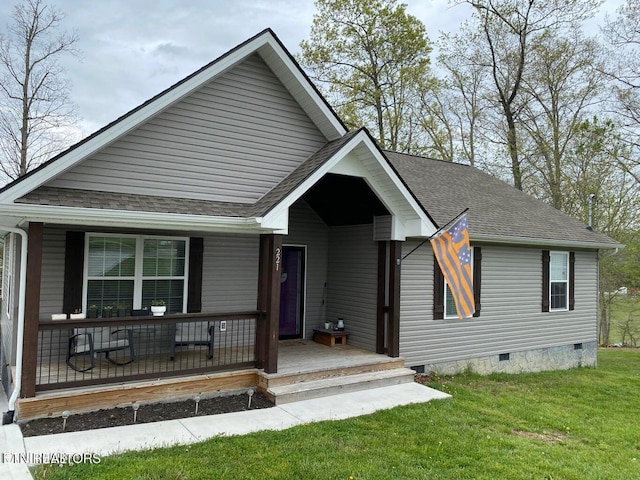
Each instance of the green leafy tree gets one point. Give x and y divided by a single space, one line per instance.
371 58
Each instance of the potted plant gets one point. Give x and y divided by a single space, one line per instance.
158 307
58 316
77 314
123 310
107 311
92 311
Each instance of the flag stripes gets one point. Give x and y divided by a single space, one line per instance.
453 254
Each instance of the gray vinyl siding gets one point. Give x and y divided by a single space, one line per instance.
232 140
52 283
382 228
230 273
307 229
511 319
353 273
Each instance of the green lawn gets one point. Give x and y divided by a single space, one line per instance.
620 309
577 424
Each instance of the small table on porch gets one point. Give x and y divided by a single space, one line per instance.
330 338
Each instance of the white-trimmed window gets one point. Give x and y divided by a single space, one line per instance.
449 303
130 271
558 281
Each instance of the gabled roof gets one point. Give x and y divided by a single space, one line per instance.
266 44
498 212
356 149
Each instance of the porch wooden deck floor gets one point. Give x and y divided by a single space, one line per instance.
303 356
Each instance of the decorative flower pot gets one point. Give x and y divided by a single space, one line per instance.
158 310
58 316
77 316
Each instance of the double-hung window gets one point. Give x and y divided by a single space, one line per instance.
559 280
130 271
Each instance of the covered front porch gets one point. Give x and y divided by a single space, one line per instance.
300 362
327 246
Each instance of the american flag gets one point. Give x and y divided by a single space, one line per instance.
454 257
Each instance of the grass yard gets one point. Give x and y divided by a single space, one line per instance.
621 308
577 424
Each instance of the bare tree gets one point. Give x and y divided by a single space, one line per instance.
34 97
623 34
508 28
564 82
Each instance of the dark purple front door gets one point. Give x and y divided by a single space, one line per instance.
292 292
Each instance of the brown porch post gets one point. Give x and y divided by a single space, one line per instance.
394 299
269 271
381 300
31 310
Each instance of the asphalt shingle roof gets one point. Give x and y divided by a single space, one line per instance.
444 189
496 209
68 197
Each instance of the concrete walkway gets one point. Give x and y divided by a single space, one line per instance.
108 441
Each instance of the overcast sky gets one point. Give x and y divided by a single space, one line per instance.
133 49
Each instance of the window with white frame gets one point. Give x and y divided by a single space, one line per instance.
559 280
130 271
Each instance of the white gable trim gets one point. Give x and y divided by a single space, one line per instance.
409 219
265 44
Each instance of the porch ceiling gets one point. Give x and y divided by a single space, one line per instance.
344 200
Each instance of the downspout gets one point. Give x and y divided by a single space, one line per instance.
7 417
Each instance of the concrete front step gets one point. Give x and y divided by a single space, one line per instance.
341 384
267 380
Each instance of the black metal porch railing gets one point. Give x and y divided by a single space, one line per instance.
106 350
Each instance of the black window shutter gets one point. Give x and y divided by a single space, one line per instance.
572 280
546 260
194 289
73 272
477 278
438 291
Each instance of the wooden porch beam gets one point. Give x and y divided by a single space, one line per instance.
269 272
31 310
395 259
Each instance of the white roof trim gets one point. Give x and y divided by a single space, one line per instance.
548 242
421 226
170 97
119 218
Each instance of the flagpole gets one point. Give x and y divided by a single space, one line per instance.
449 223
438 231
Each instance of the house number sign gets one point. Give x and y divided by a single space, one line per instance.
278 258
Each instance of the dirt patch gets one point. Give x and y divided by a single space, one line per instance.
547 437
424 378
157 412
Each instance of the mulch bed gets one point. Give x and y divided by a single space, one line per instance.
146 413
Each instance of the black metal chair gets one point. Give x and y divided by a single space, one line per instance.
192 333
93 340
